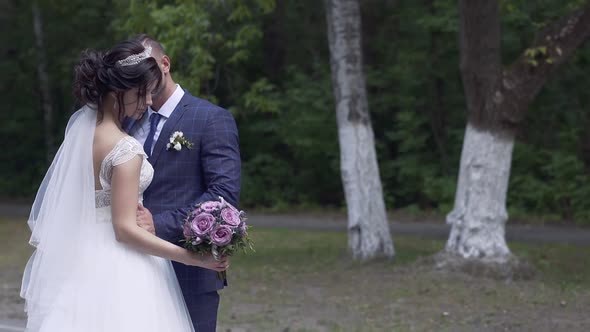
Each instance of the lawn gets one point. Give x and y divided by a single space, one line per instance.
304 281
14 253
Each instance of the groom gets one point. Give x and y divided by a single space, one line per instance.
184 177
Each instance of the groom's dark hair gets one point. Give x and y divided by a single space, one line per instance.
146 39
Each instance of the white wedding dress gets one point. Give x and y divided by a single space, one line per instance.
107 286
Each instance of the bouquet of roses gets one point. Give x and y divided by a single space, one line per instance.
218 228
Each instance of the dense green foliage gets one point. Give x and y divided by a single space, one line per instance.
268 63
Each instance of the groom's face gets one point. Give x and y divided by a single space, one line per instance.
164 64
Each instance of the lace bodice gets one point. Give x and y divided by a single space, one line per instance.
127 148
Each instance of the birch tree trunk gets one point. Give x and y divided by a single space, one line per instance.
479 215
437 114
497 100
46 100
368 230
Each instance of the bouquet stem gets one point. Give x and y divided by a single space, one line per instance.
221 275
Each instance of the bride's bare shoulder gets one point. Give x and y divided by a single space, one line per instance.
106 137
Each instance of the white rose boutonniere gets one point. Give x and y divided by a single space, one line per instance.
177 140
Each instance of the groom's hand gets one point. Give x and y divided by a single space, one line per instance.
145 219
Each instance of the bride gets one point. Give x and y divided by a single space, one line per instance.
93 268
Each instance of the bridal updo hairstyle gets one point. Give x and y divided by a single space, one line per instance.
98 73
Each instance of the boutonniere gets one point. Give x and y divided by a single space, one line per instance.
177 140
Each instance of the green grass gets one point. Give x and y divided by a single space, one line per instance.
564 265
305 281
282 249
14 247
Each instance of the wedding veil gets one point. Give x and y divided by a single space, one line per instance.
63 206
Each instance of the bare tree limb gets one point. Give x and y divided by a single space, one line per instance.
553 47
501 97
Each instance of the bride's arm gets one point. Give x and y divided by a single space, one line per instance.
124 197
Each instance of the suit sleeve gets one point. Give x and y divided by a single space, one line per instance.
220 155
220 158
168 224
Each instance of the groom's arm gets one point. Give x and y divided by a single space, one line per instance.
220 158
167 224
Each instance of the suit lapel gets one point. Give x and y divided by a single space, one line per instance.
169 126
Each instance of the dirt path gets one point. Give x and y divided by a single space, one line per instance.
436 229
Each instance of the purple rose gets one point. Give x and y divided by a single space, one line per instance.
202 224
231 217
242 228
221 235
210 206
187 231
230 206
197 211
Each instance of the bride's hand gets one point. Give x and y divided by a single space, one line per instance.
207 261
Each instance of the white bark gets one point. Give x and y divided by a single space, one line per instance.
368 229
479 216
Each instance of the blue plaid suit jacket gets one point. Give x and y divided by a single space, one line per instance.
183 178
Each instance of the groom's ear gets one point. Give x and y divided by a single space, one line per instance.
165 64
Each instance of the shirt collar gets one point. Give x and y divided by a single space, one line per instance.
170 104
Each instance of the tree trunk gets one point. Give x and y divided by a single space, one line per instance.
497 99
437 111
273 42
368 230
479 215
585 135
46 100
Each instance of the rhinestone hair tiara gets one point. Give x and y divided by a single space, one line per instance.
134 59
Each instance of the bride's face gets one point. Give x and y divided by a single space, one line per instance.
134 104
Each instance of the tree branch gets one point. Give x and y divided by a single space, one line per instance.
554 46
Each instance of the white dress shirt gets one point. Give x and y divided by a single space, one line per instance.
165 111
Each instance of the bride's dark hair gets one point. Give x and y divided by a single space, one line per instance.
98 73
